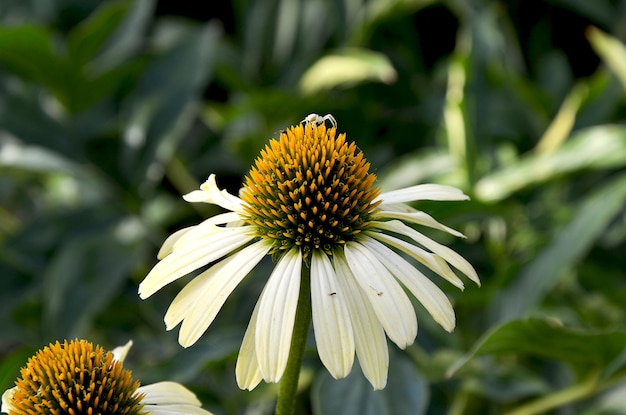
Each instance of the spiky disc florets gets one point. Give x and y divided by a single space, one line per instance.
75 378
310 189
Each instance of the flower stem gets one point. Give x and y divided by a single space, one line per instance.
289 381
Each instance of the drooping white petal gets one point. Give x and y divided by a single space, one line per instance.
192 256
331 320
164 398
369 336
431 296
430 260
443 251
389 301
7 400
120 352
198 302
207 227
418 217
210 193
277 313
247 369
422 192
168 244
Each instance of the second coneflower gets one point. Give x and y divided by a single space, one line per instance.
311 203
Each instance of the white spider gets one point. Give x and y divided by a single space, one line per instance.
318 119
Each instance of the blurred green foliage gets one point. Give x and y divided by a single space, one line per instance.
110 111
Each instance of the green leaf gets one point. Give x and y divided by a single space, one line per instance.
406 392
85 41
566 249
347 67
187 364
10 367
611 50
83 277
126 39
28 52
600 147
584 349
164 105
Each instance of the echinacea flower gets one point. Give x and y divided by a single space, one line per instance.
310 201
77 377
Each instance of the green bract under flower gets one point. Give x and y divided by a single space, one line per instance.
310 201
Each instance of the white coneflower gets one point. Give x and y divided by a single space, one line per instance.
77 377
310 201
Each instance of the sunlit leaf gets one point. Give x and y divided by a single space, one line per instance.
599 147
611 50
347 68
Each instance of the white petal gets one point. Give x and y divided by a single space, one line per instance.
192 256
120 352
277 313
174 410
210 193
443 251
168 245
7 400
431 297
170 398
199 302
165 393
206 228
369 336
419 218
430 260
422 192
247 369
391 304
331 320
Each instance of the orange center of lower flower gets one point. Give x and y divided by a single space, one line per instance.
310 189
75 378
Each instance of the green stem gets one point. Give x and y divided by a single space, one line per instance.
574 393
289 382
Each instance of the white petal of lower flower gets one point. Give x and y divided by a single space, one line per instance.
369 336
431 297
247 369
170 398
443 251
389 301
331 320
199 301
422 192
192 256
7 398
430 260
174 410
210 193
420 218
277 313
